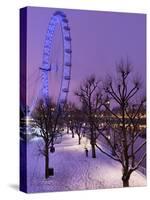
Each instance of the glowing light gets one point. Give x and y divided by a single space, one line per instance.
84 124
108 137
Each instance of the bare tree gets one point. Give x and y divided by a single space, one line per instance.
69 117
74 120
78 123
46 119
91 99
126 120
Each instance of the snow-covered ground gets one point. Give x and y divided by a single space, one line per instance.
73 170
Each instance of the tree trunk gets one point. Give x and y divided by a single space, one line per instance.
114 149
79 140
126 183
93 151
125 178
46 162
72 133
93 142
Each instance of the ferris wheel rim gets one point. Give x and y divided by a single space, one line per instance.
58 18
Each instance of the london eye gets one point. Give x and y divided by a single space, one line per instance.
49 60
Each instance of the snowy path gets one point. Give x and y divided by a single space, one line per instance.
73 170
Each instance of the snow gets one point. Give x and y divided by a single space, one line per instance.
73 170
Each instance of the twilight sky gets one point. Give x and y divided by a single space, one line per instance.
99 40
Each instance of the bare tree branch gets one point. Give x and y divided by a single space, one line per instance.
109 155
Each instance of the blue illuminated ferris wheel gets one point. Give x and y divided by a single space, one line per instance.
58 19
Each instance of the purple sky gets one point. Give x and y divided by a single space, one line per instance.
99 40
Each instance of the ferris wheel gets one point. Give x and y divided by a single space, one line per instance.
57 19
